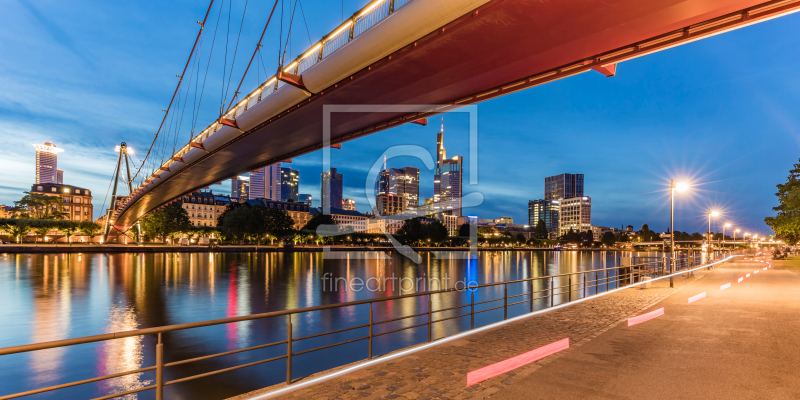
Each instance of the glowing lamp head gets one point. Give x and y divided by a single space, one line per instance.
714 213
727 225
681 186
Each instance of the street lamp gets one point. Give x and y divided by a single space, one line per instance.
681 187
723 231
708 232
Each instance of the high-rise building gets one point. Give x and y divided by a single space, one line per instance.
265 183
545 210
382 183
404 182
304 198
46 162
575 214
59 177
389 204
563 186
446 180
332 189
348 204
240 187
290 184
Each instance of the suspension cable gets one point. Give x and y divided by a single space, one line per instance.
202 25
258 46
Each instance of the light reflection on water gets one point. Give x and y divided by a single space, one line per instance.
53 297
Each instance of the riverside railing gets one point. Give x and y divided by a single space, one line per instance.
554 289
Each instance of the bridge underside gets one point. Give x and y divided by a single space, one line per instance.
507 45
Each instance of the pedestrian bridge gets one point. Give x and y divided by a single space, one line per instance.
447 54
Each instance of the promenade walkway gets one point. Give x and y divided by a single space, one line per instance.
739 342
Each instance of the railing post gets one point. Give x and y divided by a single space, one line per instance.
531 295
391 6
430 304
289 350
370 332
505 301
472 310
552 292
159 369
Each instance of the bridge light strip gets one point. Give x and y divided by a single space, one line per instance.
311 50
290 66
369 8
384 358
338 31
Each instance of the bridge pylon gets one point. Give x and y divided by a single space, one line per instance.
123 153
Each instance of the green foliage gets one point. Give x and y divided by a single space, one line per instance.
608 239
317 220
463 230
69 231
167 222
416 232
787 221
540 232
90 229
571 237
257 222
39 206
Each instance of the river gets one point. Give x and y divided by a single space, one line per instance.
59 296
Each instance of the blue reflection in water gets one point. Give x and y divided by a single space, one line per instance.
52 297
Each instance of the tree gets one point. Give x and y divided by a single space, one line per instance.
540 232
90 229
167 222
787 221
19 228
412 230
39 206
588 236
435 231
571 237
520 238
608 239
317 220
41 231
463 230
69 230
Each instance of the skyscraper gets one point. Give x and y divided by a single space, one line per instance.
59 177
331 189
290 184
404 182
47 162
545 210
563 186
240 187
446 180
265 183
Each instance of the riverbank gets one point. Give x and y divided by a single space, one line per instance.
151 248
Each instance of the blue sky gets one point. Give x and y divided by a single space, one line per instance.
721 112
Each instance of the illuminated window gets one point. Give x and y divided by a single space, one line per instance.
66 190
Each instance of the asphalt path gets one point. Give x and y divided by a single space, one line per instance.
739 343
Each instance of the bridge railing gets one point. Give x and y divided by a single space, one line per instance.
357 24
526 295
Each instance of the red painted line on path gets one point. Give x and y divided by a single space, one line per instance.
645 317
747 276
725 286
765 268
504 366
755 272
696 297
740 280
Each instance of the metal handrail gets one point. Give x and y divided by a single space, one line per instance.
624 276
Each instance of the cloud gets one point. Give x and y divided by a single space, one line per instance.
55 33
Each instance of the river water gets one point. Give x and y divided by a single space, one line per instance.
52 297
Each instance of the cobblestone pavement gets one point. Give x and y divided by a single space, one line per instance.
440 372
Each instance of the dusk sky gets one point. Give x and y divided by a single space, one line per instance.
721 113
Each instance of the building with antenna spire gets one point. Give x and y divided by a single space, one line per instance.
447 180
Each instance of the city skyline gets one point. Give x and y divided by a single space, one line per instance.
696 73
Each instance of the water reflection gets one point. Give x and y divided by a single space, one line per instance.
52 297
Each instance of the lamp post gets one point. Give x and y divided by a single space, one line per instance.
723 231
734 237
708 232
746 234
673 186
